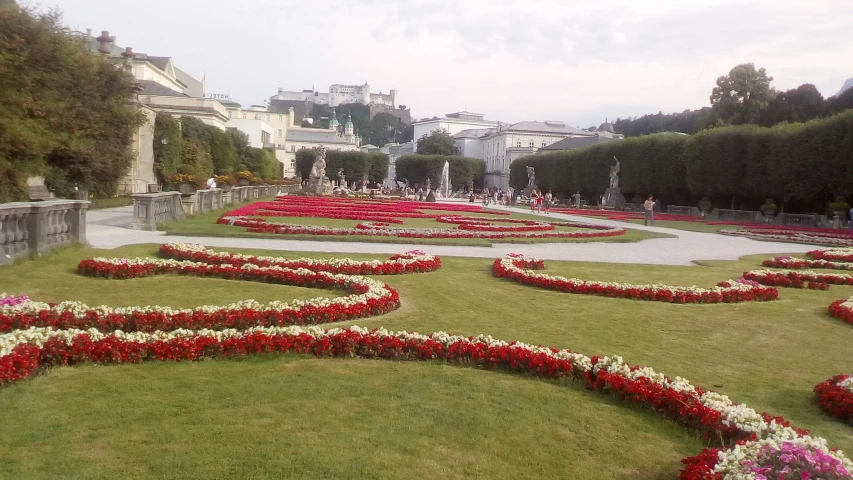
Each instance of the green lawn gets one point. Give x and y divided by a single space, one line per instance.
299 417
205 225
690 226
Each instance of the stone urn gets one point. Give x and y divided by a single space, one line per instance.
243 182
80 195
227 188
838 217
187 188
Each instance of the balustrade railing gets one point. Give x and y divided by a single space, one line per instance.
34 228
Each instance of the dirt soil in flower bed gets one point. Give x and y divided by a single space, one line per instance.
205 226
298 417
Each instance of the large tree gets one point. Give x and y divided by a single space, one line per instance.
64 113
438 142
741 96
795 106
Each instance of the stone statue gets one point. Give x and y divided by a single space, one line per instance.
318 170
318 183
531 177
614 174
342 177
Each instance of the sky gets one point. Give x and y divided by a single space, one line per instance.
579 62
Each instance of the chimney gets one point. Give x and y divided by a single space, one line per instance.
88 34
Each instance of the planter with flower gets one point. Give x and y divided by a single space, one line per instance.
185 181
768 210
244 178
225 182
839 211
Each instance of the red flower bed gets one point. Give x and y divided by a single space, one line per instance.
835 399
517 268
837 255
377 216
798 279
842 310
412 262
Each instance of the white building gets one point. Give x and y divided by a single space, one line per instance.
336 137
259 132
340 95
452 123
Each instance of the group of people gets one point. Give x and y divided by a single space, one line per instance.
538 202
493 196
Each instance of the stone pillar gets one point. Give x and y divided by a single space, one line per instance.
188 204
37 229
78 221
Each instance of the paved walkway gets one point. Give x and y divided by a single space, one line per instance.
108 229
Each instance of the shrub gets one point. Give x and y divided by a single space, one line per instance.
416 168
186 170
769 207
839 205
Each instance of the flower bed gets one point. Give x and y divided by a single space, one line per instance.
835 396
380 229
377 216
414 261
741 432
833 254
791 263
366 297
842 310
808 236
798 278
520 269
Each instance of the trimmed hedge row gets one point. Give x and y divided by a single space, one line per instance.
802 164
417 168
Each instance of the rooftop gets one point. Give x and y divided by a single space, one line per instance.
150 87
474 133
545 127
578 142
314 135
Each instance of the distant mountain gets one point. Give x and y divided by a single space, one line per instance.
847 86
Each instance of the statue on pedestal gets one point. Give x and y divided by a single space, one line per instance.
614 174
343 178
531 177
317 181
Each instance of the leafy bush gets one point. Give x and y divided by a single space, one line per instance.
839 205
769 207
66 113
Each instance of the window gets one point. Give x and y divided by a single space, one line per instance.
279 134
268 118
293 148
544 145
244 116
518 144
281 118
229 113
531 144
257 117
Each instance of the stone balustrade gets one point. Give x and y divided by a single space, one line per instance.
682 210
149 209
34 228
208 200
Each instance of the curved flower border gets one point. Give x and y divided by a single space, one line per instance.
833 254
835 396
367 297
787 262
713 416
795 236
798 278
520 268
414 261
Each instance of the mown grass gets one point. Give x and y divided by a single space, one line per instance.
297 417
100 203
204 225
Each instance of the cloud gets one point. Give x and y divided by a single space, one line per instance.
570 60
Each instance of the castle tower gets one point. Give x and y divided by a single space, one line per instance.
393 98
333 122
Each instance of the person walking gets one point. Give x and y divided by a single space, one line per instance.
601 205
577 198
649 207
533 202
539 202
549 198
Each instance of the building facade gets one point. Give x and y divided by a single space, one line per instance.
340 94
339 137
452 123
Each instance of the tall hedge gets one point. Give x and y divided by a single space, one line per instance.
801 165
417 168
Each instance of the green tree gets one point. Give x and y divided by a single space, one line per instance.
741 96
795 106
195 155
168 146
66 114
438 142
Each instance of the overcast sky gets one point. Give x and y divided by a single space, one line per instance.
575 61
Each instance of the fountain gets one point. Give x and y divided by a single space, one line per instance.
444 186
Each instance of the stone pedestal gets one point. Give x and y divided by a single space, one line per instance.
226 197
320 186
613 198
188 204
